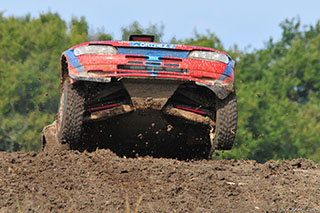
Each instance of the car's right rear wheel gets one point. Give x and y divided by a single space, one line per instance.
226 123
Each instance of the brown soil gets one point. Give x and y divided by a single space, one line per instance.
101 181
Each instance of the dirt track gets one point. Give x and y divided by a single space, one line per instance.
71 181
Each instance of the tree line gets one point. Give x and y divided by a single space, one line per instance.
277 86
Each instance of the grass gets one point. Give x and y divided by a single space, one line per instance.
128 210
18 205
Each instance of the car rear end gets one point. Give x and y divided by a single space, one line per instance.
154 90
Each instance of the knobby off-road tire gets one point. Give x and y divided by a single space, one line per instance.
226 123
71 113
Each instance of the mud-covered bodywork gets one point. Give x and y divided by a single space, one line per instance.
151 60
147 90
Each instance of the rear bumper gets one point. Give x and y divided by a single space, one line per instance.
218 77
221 89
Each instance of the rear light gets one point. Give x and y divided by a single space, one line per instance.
209 56
145 38
95 50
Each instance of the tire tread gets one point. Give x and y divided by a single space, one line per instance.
226 122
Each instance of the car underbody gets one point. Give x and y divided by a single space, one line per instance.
148 115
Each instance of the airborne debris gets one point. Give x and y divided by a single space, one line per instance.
140 136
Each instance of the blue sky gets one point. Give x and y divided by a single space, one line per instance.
246 22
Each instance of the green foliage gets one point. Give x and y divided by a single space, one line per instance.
79 30
208 40
100 35
29 75
278 87
278 96
104 37
136 28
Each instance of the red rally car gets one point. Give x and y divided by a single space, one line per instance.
187 92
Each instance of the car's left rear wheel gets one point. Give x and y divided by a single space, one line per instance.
70 115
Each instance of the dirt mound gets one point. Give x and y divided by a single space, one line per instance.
100 181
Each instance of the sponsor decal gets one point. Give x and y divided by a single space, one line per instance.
74 61
153 45
227 72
